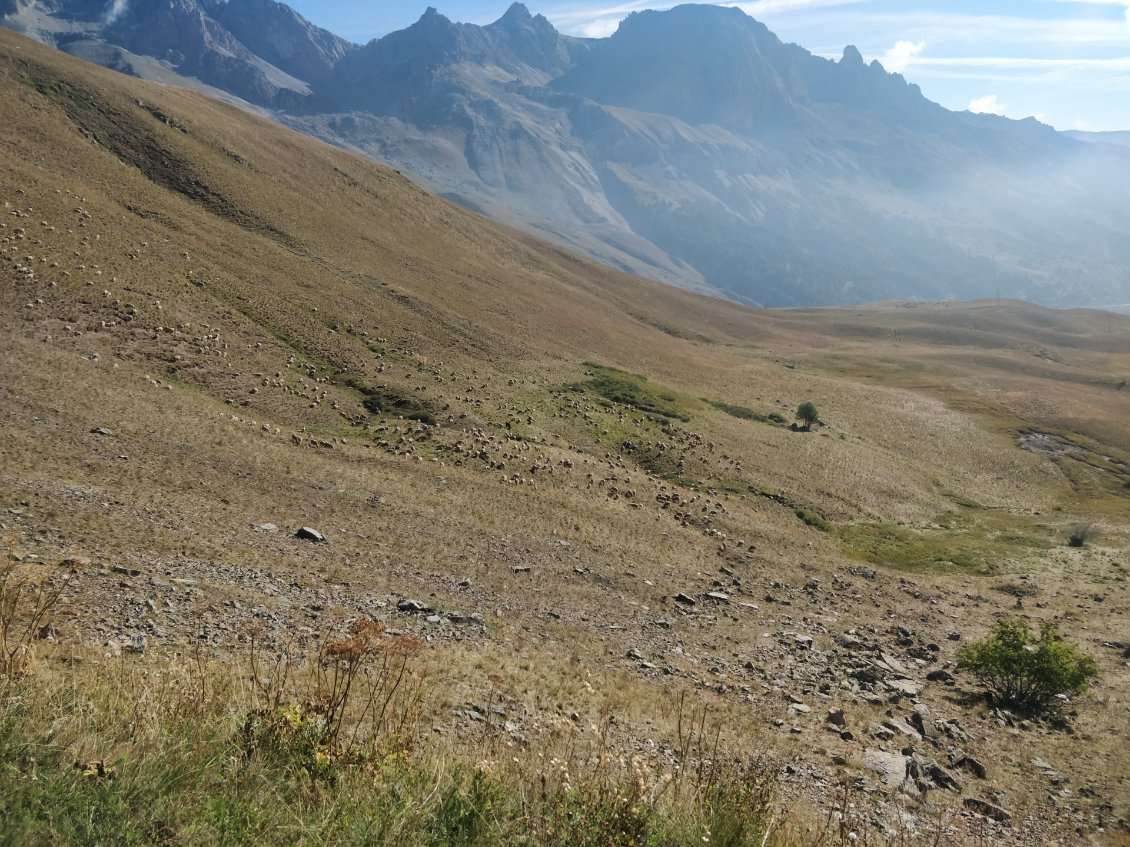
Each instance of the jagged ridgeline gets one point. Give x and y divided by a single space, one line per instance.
691 146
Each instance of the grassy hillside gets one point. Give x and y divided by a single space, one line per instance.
216 332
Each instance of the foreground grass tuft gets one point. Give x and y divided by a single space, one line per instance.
152 750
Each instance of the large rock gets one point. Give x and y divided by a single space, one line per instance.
905 686
307 533
987 809
890 767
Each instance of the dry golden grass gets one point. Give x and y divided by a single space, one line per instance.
215 339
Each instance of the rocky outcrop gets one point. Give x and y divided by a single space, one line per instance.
275 32
184 34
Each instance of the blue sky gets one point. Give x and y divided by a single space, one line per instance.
1067 62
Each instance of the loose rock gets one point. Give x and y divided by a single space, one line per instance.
308 534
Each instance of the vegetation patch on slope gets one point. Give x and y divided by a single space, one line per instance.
745 414
958 542
635 391
389 401
1093 470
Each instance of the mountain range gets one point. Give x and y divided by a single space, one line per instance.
692 146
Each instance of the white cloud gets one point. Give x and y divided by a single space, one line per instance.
115 11
969 30
769 7
600 28
1118 65
902 54
986 105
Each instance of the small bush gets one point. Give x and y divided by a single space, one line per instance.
27 604
1081 533
1024 671
363 707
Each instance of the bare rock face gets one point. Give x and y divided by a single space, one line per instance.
259 50
986 809
532 40
185 35
656 62
281 36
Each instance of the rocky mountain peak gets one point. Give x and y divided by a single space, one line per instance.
517 13
432 19
852 57
518 20
523 39
703 64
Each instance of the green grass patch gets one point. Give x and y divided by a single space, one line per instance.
812 519
745 414
389 401
960 499
957 543
627 389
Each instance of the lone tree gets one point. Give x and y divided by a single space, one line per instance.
1024 671
808 415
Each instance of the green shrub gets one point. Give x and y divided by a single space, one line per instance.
742 413
807 414
1025 671
467 811
1081 533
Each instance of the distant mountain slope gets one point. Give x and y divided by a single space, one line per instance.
692 146
1120 138
258 50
